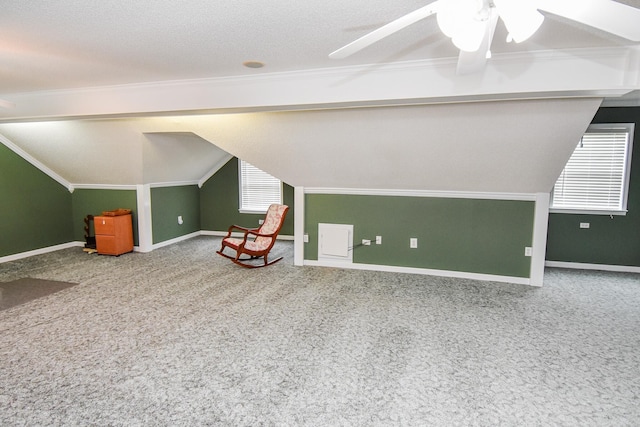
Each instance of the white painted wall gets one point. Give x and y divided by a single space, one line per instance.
115 151
505 146
498 146
177 156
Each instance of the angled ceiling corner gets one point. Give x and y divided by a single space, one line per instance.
169 157
35 162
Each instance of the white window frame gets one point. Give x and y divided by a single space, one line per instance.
266 189
621 209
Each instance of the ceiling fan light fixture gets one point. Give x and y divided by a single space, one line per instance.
469 38
447 17
463 21
521 18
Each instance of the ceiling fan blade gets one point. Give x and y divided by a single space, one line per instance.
606 15
386 30
471 62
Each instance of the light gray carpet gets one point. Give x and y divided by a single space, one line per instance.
183 337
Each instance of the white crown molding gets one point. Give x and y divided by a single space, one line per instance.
132 186
103 187
622 102
631 99
215 169
622 53
605 72
422 193
35 162
173 184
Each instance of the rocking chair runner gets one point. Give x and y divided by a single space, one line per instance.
256 242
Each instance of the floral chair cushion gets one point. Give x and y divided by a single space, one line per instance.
271 224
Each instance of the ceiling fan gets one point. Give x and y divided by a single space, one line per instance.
471 23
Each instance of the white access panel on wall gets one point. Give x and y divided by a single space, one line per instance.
335 242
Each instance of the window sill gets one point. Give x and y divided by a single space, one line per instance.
252 211
587 212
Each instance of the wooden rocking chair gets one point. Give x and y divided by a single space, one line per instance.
256 242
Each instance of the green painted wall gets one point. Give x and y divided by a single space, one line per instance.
94 202
35 210
478 236
219 202
608 241
167 203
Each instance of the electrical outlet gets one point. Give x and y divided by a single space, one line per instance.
260 221
305 238
413 242
180 221
528 251
585 225
366 242
378 240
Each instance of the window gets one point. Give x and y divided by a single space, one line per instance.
596 177
258 189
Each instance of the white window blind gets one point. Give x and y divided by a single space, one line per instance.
596 177
258 189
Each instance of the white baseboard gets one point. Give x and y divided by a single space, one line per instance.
54 248
175 240
586 266
424 271
40 251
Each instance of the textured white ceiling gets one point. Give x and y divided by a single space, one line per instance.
47 45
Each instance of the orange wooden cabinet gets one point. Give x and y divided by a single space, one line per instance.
114 234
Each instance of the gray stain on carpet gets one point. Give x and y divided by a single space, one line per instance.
27 289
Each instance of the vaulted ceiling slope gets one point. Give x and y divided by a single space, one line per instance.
508 146
128 93
505 146
114 152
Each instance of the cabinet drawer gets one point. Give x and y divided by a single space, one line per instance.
107 245
114 234
104 225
